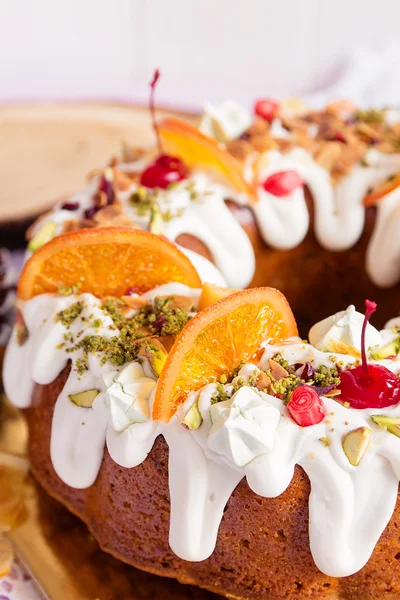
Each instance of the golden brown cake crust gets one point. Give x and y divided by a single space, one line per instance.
262 551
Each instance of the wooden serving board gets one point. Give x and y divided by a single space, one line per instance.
47 151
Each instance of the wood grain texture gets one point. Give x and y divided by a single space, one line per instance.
48 150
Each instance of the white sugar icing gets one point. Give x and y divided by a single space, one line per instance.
226 121
345 326
248 434
197 207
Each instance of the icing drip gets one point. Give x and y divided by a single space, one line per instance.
283 221
339 212
349 505
207 218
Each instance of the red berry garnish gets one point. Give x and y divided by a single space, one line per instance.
166 169
107 187
282 183
266 109
90 212
308 372
70 206
306 407
369 386
339 137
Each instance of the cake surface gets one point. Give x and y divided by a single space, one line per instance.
187 424
263 547
300 237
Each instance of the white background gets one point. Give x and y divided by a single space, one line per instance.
206 49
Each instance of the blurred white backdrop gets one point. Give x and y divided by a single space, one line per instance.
206 49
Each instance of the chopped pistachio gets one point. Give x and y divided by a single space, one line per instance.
193 419
156 220
68 315
69 290
326 376
46 233
84 399
156 358
371 115
390 424
278 358
355 444
390 349
220 395
326 441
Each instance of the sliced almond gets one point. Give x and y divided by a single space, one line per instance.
240 149
368 132
135 301
355 444
333 393
277 371
112 216
122 180
327 154
341 106
263 382
100 199
263 142
182 302
167 341
258 127
285 145
71 225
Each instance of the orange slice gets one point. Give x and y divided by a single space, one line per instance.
211 293
380 191
217 340
197 150
105 262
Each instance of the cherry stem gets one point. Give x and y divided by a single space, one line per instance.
153 84
370 308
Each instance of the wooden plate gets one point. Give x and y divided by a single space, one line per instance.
48 150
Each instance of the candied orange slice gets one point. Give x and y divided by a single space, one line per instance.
197 150
380 191
105 261
211 293
217 340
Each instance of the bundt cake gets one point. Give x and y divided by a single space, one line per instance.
196 434
300 200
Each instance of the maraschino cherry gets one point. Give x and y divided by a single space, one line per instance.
266 109
283 183
369 386
165 169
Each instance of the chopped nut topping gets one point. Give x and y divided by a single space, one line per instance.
112 216
134 301
337 137
328 154
240 149
263 382
277 371
182 302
